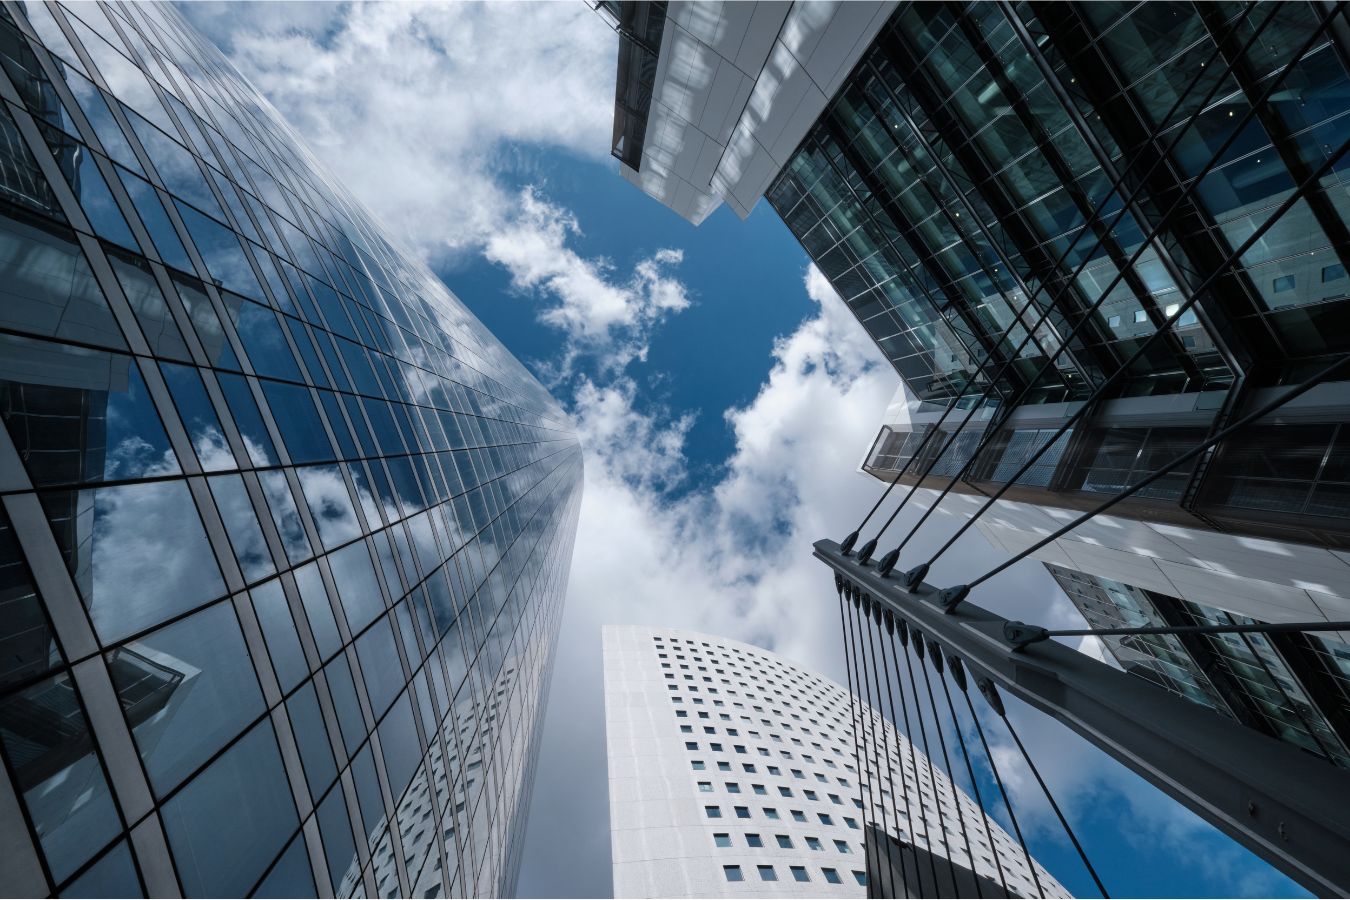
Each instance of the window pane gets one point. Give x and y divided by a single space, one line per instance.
147 304
301 429
47 287
398 740
291 876
246 537
156 221
318 609
357 588
247 419
220 250
263 341
278 627
78 415
27 642
186 689
316 753
330 504
338 845
114 538
380 666
285 515
112 876
198 417
57 772
227 825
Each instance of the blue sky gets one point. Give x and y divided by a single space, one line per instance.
723 394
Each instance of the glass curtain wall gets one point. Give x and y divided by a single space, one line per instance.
285 531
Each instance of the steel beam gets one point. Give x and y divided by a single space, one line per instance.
1286 806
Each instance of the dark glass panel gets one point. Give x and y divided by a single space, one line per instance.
28 646
278 627
147 304
291 876
186 690
47 287
311 736
247 419
51 754
228 824
301 428
112 876
198 417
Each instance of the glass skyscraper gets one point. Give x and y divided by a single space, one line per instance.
284 531
1012 198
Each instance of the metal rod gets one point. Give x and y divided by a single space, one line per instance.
1235 628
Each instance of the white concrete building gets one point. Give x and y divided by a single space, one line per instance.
732 773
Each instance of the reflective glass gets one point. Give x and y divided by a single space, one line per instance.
156 221
148 306
111 537
291 876
186 690
278 627
380 666
358 590
27 643
47 287
112 876
318 610
52 760
311 736
330 504
248 420
228 824
198 417
296 417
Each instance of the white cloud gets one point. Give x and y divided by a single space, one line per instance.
610 319
423 109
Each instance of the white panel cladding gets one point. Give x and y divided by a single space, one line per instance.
773 731
737 87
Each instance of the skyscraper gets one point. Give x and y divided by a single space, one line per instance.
1100 233
732 773
284 531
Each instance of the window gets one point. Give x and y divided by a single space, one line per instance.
691 745
1283 283
1333 273
732 873
799 873
842 846
705 787
754 840
831 876
784 841
686 729
860 877
759 789
742 812
713 812
814 843
724 767
722 840
698 765
770 812
798 816
851 823
766 873
716 748
1140 316
784 791
825 818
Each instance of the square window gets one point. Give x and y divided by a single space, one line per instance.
861 878
1333 273
724 767
691 745
705 787
799 873
698 765
713 812
784 791
798 816
686 729
733 787
784 841
759 789
831 876
1113 321
770 813
722 840
814 843
754 840
1140 316
766 873
742 812
1283 283
825 818
732 873
716 748
842 846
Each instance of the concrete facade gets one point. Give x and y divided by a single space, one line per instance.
774 741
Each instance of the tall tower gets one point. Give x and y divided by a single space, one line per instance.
1099 234
284 531
732 772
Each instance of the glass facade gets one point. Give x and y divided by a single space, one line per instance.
1035 189
1295 687
284 531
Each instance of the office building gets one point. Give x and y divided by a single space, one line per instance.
284 531
732 772
1013 199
